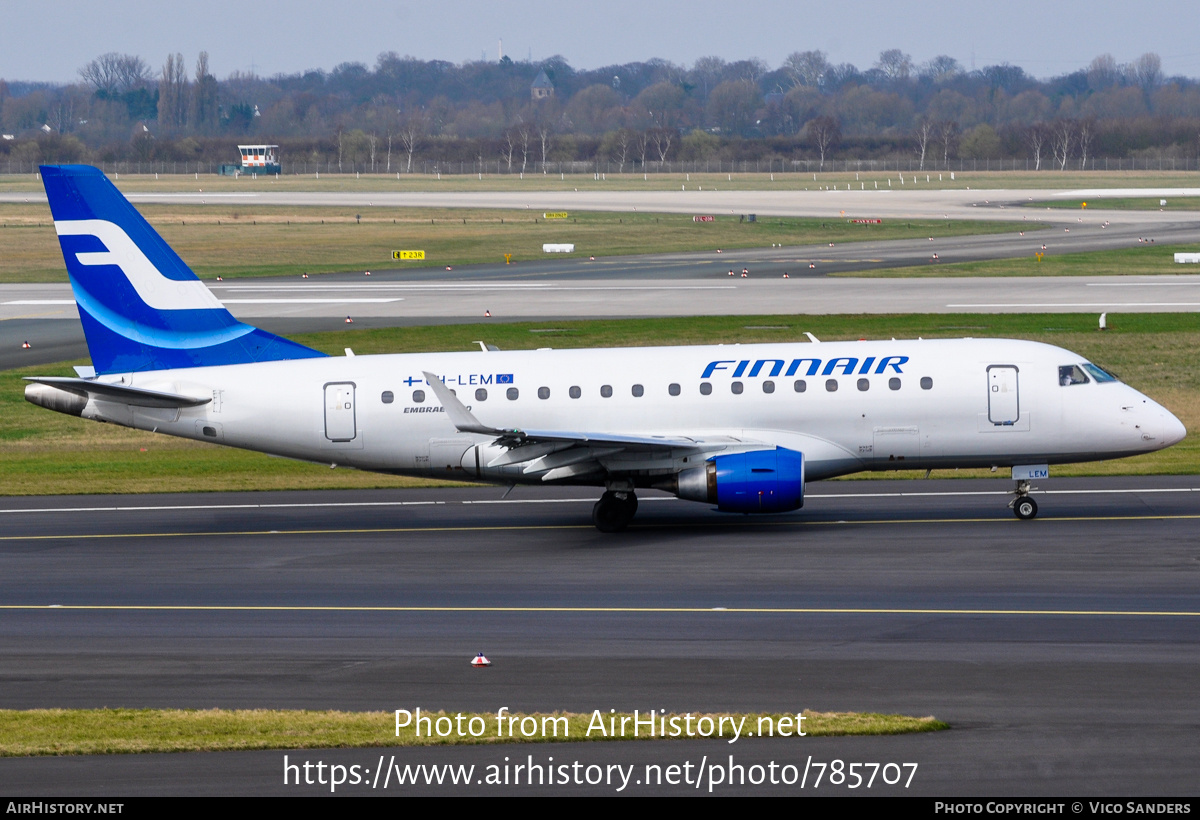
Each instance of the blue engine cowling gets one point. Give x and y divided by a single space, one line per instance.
761 481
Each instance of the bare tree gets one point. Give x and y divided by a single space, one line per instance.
941 68
662 139
1146 71
414 125
948 133
620 147
895 64
1062 141
924 133
641 143
1103 73
372 142
204 97
806 67
115 73
545 132
508 146
824 132
173 98
1036 137
524 133
1085 133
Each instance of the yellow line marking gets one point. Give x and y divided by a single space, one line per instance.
602 609
656 525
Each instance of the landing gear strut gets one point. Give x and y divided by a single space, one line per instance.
1023 506
614 510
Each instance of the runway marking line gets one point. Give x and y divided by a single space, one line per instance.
602 610
334 504
523 527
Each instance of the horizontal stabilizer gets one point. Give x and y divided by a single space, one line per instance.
123 394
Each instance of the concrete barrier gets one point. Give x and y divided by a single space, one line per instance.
551 248
1187 257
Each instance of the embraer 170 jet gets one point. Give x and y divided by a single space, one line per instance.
741 427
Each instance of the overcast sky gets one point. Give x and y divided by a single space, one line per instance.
51 39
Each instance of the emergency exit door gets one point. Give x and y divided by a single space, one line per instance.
1004 402
339 412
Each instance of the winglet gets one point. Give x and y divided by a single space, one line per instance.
462 418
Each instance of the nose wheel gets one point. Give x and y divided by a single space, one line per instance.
614 510
1023 506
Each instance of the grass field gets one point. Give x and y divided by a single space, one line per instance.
1181 203
239 240
778 181
128 731
1141 259
42 452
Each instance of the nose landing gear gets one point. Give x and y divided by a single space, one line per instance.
1022 505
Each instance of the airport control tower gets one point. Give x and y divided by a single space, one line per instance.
260 159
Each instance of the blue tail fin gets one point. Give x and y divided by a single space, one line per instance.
142 308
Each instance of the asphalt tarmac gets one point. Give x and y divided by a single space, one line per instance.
1064 651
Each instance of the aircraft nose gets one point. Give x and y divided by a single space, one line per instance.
1173 429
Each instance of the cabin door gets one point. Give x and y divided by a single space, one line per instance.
339 412
1004 403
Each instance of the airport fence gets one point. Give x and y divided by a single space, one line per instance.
433 167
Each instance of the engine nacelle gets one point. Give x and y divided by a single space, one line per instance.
761 481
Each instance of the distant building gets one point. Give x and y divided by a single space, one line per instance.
260 159
542 87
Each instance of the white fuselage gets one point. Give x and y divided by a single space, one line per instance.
897 404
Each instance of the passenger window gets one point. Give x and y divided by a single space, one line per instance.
606 391
543 392
705 388
388 397
831 385
673 390
926 383
893 383
1070 374
768 387
418 396
574 392
800 386
638 390
864 385
736 387
512 393
481 395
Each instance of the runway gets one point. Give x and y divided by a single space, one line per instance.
1063 651
678 284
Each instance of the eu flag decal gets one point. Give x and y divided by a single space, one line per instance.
504 378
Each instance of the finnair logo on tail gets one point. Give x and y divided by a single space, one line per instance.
156 290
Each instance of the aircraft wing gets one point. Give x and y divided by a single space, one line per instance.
124 394
559 454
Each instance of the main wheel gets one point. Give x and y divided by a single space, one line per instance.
613 514
1025 508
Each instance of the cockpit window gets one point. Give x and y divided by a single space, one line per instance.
1099 374
1069 374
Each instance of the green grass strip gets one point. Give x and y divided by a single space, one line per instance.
134 731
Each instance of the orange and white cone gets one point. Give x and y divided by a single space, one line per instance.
25 345
479 661
349 321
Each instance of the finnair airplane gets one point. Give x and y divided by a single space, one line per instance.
741 427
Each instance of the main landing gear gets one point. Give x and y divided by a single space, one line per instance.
1023 506
614 510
